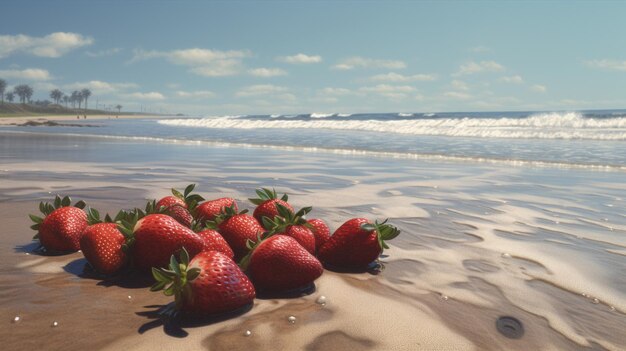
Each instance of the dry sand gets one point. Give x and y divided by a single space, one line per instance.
66 118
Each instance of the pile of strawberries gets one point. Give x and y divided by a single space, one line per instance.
210 256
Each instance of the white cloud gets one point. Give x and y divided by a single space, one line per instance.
152 96
204 62
363 62
459 85
260 89
196 94
52 45
102 53
389 91
539 88
300 59
512 79
335 91
396 77
457 95
478 67
220 68
99 87
26 74
612 65
267 72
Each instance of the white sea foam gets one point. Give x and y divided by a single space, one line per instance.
321 115
344 114
566 125
405 114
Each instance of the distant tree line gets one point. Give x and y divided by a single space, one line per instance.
25 92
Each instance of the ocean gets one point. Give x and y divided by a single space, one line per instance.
587 139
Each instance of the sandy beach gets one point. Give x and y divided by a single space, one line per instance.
66 118
479 242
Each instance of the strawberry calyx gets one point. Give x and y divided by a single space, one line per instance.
151 208
226 213
285 219
192 200
252 245
383 232
265 194
126 222
174 281
47 208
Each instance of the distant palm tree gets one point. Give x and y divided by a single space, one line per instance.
76 98
66 99
56 95
25 92
119 108
85 93
3 86
10 96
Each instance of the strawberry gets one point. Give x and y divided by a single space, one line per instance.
211 283
237 229
320 231
208 210
293 225
61 228
156 237
178 205
279 264
214 241
357 243
266 204
103 244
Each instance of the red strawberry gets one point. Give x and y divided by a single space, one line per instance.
157 236
266 204
237 229
63 225
211 283
179 205
293 225
357 243
214 241
279 263
103 244
320 231
208 210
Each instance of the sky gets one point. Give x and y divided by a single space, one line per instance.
284 57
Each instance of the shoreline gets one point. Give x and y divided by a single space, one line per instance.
479 242
10 120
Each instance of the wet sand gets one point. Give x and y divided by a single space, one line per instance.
65 118
479 242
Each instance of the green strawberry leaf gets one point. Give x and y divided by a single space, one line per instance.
193 273
189 189
80 204
57 201
35 219
184 257
174 265
178 194
159 285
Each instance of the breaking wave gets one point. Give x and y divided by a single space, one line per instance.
552 125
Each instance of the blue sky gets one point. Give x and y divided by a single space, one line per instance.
281 57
